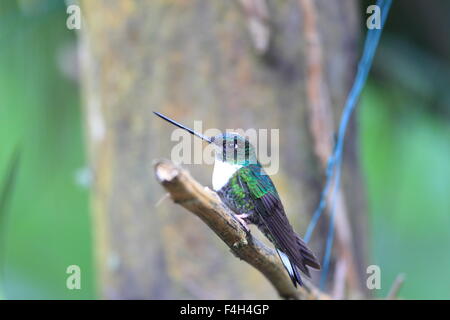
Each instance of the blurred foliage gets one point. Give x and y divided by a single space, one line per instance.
405 148
48 225
406 154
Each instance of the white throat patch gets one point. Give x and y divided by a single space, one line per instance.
222 173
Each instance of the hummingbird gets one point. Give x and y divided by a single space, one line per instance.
245 188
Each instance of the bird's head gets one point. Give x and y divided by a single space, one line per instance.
233 148
229 147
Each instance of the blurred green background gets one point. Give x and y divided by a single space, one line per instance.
404 123
45 222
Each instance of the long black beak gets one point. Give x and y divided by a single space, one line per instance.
179 125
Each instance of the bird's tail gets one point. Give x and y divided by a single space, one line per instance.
307 258
291 268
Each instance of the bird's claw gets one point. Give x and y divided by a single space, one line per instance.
243 223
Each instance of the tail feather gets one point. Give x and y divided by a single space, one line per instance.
291 268
308 260
307 255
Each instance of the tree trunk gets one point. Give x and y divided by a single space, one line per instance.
284 65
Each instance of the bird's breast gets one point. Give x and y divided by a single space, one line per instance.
223 171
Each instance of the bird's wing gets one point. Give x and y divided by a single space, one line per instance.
269 207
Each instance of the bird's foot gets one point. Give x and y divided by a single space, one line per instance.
241 219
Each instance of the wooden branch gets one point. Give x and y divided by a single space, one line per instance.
205 204
318 94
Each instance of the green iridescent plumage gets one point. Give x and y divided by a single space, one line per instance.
258 183
248 183
251 194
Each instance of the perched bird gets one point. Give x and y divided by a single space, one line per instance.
241 183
